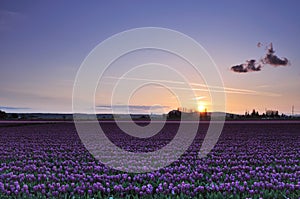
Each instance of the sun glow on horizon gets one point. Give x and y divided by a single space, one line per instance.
201 107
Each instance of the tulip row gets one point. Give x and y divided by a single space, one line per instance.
249 161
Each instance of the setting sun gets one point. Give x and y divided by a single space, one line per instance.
201 108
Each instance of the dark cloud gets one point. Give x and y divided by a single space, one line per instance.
239 68
273 60
252 65
249 66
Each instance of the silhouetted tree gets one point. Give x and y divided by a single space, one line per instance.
247 114
254 113
204 115
3 115
14 115
174 114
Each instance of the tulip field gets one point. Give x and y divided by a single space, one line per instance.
250 160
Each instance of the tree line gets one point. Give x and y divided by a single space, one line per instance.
267 114
4 115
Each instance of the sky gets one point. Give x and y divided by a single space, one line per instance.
43 44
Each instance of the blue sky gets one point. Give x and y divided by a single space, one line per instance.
43 43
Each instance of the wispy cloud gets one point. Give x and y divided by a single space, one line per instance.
229 91
200 87
199 97
264 86
8 18
12 108
30 95
144 79
122 108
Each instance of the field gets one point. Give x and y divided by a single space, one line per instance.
250 160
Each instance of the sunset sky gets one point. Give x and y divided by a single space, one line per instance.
43 44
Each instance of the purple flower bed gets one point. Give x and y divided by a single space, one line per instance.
249 161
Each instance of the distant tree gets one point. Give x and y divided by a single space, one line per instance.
174 114
3 115
204 115
14 116
247 114
253 113
145 117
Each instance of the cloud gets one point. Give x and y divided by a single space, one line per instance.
8 18
273 60
199 97
249 66
203 87
132 108
10 108
269 59
144 79
230 91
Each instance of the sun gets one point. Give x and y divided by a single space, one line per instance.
201 108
